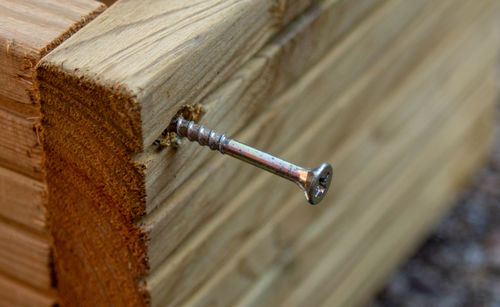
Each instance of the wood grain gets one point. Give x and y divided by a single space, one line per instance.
28 30
404 231
274 68
20 148
15 293
114 141
301 214
323 280
181 226
186 209
26 255
297 278
234 222
169 53
22 199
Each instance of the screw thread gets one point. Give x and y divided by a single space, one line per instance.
200 134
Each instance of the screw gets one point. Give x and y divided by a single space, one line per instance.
314 182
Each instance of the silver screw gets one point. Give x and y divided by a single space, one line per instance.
314 182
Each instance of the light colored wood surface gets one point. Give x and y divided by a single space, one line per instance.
325 252
385 207
214 290
240 98
25 255
14 293
234 106
402 233
295 214
22 199
28 30
187 264
169 53
20 148
381 81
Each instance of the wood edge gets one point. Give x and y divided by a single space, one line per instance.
106 205
84 20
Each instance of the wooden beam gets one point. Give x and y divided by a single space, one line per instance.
235 104
386 207
26 255
174 52
262 79
294 214
326 253
119 178
15 293
156 218
29 29
304 89
233 221
402 232
216 239
22 200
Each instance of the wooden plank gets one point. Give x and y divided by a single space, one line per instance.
14 293
292 269
184 211
228 226
235 221
113 184
102 105
283 284
20 109
26 255
274 68
399 237
166 54
20 50
29 29
321 280
20 148
215 292
22 199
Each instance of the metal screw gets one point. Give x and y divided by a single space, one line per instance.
314 182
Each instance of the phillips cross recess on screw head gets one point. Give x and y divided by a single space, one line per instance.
314 182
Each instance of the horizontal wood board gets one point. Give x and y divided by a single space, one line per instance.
172 234
28 31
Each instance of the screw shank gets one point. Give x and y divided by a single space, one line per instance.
264 161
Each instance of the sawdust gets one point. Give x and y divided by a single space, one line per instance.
169 138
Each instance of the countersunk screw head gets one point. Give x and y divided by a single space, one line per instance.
318 185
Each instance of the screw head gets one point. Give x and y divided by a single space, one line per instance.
320 183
